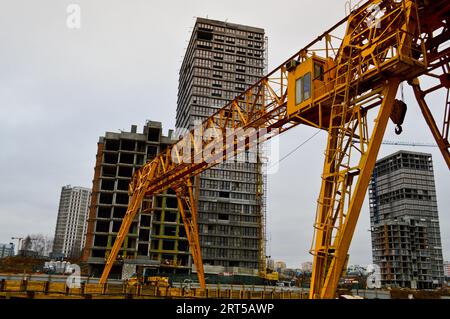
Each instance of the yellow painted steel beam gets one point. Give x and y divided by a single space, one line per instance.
442 142
133 206
365 168
188 210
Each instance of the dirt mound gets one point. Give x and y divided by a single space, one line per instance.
18 264
416 294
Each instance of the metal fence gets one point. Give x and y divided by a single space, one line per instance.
48 289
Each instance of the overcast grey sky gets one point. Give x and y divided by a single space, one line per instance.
60 89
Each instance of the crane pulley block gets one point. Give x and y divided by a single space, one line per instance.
398 115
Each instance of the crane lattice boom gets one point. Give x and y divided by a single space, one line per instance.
345 83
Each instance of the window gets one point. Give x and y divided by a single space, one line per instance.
108 184
170 230
218 56
217 74
125 171
102 226
303 88
112 145
318 71
119 212
219 38
171 202
224 194
122 198
152 135
145 220
217 65
126 158
299 91
218 47
170 216
216 93
128 145
217 84
100 241
307 86
110 158
168 245
229 48
229 40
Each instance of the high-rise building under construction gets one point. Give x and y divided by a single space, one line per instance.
221 61
406 240
157 238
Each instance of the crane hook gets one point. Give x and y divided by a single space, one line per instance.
398 115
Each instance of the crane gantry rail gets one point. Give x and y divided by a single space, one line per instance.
345 83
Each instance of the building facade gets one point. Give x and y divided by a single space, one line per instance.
447 269
306 266
280 266
6 250
406 240
70 233
222 60
157 238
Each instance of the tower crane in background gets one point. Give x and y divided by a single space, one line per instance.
402 143
345 83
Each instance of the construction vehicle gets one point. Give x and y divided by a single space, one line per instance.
345 83
145 280
269 276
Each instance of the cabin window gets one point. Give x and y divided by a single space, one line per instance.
299 91
306 86
318 71
303 88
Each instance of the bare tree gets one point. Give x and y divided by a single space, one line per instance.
38 243
27 243
42 244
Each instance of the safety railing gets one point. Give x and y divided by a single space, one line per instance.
59 290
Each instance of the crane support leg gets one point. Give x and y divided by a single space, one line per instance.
441 141
335 224
188 210
136 201
137 196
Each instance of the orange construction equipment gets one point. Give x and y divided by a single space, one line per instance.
345 83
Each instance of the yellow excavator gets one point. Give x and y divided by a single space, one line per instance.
159 281
270 276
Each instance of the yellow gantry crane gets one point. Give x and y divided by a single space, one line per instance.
345 83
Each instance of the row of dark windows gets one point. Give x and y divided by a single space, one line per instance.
404 193
414 162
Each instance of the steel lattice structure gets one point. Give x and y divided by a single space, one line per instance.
364 58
